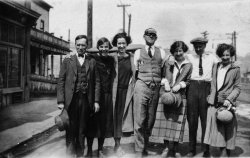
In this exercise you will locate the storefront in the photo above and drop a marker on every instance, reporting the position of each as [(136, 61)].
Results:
[(16, 21)]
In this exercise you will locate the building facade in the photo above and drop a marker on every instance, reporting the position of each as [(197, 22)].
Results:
[(27, 50), (16, 21)]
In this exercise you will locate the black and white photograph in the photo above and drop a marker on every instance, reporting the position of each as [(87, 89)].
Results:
[(124, 78)]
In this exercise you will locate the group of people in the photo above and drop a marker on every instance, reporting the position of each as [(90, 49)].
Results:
[(116, 94)]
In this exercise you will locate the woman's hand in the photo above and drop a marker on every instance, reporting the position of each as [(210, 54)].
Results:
[(167, 87), (176, 88), (227, 104)]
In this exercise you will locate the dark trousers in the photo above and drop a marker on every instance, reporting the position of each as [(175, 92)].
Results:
[(145, 106), (197, 107), (78, 117)]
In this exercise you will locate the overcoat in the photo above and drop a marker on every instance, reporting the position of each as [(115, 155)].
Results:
[(67, 79), (231, 85), (128, 123), (218, 134)]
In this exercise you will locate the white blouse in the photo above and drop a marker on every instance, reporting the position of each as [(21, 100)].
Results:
[(221, 74)]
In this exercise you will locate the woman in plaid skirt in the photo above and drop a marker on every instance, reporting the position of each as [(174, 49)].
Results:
[(177, 76)]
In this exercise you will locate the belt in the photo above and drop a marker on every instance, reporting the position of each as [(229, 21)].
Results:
[(151, 84), (200, 81)]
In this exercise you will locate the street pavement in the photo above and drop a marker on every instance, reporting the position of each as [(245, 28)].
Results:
[(21, 122)]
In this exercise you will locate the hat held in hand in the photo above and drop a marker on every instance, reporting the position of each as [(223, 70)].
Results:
[(62, 120), (171, 99), (223, 115)]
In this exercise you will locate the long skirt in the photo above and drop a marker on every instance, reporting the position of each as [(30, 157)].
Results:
[(101, 124), (218, 134), (119, 110), (170, 123)]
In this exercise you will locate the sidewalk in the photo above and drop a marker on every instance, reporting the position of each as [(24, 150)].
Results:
[(21, 122)]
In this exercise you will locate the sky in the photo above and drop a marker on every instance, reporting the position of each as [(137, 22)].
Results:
[(173, 20)]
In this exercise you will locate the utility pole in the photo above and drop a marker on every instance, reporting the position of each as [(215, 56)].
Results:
[(124, 9), (233, 38), (89, 25), (205, 33), (129, 23)]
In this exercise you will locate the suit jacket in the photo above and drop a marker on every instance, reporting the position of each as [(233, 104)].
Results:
[(67, 79), (230, 89), (184, 76), (128, 120)]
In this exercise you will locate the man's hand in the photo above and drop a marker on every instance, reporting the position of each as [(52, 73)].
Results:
[(70, 55), (176, 88), (60, 106), (96, 107), (171, 60)]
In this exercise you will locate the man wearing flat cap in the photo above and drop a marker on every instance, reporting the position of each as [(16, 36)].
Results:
[(198, 91), (148, 62)]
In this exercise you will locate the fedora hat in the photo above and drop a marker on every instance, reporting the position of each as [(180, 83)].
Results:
[(223, 115), (171, 99), (62, 120)]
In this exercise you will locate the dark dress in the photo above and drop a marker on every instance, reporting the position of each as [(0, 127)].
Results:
[(124, 75), (101, 123)]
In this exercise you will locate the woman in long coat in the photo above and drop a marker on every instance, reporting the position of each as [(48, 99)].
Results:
[(123, 88), (178, 77), (225, 88), (100, 125)]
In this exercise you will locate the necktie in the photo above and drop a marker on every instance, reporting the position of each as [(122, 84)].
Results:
[(149, 52), (200, 66), (81, 55)]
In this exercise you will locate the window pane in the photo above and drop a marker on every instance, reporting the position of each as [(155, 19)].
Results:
[(4, 31), (11, 34), (3, 67), (14, 73), (20, 35)]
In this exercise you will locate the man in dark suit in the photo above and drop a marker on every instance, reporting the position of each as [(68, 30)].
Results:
[(78, 92)]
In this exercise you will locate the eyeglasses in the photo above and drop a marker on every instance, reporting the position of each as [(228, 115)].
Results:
[(151, 34)]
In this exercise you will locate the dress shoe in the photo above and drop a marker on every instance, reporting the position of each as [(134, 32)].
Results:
[(89, 153), (206, 154), (144, 153), (191, 154), (171, 153), (100, 153)]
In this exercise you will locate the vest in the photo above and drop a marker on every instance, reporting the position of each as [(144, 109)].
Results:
[(150, 68), (81, 80)]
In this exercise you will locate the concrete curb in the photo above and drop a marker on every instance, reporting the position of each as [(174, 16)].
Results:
[(35, 134)]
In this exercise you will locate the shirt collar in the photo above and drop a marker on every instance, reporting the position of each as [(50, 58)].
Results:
[(205, 53), (184, 62), (152, 47)]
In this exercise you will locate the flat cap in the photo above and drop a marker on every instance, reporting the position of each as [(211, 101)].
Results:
[(150, 30), (199, 40)]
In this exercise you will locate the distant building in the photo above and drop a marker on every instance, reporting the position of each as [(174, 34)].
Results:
[(27, 50), (46, 52)]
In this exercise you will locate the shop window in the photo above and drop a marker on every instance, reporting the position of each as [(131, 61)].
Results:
[(10, 67), (4, 31), (3, 67), (14, 72), (20, 35), (11, 34)]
